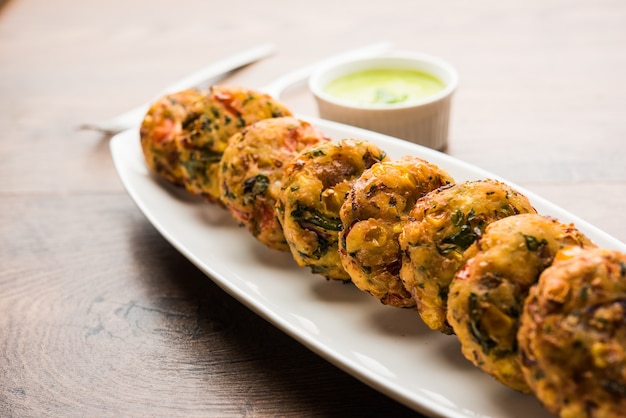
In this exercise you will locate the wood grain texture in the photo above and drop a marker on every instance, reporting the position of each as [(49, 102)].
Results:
[(100, 316), (96, 326)]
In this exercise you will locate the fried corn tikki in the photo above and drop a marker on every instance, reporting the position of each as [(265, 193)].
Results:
[(442, 226), (373, 215), (184, 134), (572, 336), (251, 171), (487, 295), (314, 188)]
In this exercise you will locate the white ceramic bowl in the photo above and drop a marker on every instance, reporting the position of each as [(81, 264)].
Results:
[(424, 121)]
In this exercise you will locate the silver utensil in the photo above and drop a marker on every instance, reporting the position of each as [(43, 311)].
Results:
[(206, 75), (276, 88)]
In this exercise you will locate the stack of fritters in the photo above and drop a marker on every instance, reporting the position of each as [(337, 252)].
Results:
[(184, 134), (314, 188), (487, 294), (532, 301), (373, 216), (251, 170)]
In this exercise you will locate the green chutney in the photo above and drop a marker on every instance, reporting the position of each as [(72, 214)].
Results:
[(384, 86)]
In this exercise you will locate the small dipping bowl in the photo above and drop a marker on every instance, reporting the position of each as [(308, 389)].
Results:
[(401, 94)]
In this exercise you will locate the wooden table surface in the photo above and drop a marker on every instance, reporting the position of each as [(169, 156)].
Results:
[(101, 316)]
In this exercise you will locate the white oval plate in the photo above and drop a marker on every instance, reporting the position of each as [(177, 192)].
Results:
[(389, 349)]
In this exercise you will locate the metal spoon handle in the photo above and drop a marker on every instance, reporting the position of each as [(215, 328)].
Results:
[(206, 75)]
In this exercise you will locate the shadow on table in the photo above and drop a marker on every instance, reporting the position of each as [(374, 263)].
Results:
[(231, 346)]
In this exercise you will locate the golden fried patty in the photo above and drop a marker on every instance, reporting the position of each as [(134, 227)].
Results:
[(162, 131), (572, 336), (373, 216), (444, 224), (251, 170), (314, 188), (486, 296), (184, 134)]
